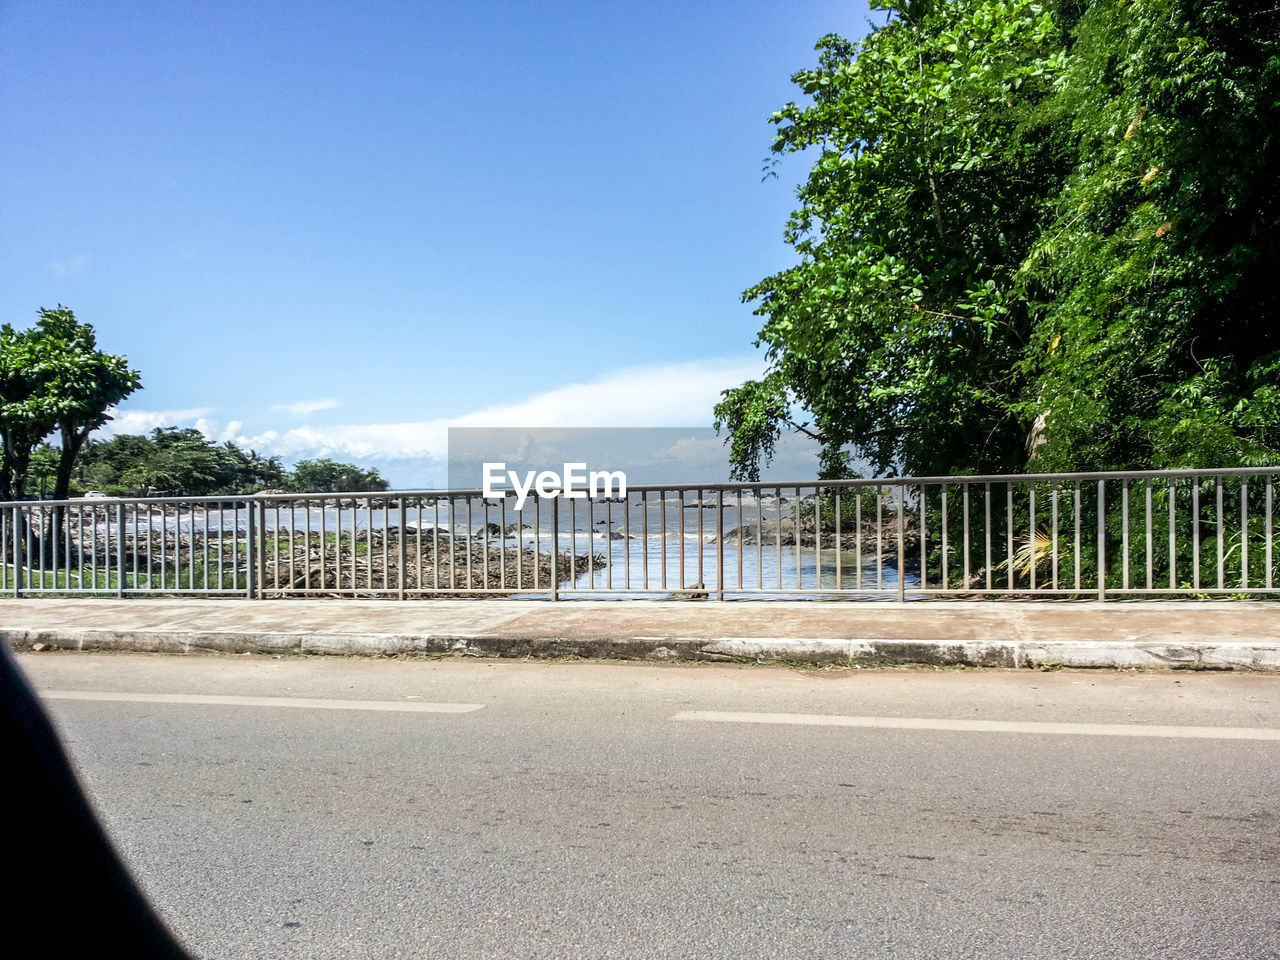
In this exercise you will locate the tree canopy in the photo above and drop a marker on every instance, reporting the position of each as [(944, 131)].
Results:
[(1033, 232), (53, 378), (174, 460)]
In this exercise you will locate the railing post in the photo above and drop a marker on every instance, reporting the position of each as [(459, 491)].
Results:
[(17, 552), (262, 550), (720, 543), (402, 554), (251, 551), (902, 548), (555, 547), (1102, 540), (119, 548)]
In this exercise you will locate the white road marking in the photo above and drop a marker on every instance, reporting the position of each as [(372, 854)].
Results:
[(986, 726), (306, 703)]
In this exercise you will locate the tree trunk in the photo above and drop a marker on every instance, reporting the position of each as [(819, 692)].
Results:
[(53, 539)]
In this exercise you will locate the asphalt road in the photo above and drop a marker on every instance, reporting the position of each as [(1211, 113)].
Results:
[(532, 810)]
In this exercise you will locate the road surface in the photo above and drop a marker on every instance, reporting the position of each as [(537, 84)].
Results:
[(330, 807)]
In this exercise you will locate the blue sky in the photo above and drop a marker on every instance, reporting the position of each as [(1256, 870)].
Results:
[(339, 228)]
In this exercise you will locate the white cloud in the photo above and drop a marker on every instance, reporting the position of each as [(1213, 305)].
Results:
[(303, 408), (71, 266), (676, 394), (414, 452), (144, 421)]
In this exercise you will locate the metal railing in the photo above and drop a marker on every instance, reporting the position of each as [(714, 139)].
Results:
[(1086, 535)]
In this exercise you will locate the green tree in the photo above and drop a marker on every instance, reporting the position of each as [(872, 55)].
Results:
[(53, 378), (1032, 231), (43, 470), (88, 384), (896, 331), (327, 476), (27, 411), (181, 461), (1157, 340)]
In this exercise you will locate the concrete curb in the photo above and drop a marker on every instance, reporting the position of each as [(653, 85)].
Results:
[(1262, 655)]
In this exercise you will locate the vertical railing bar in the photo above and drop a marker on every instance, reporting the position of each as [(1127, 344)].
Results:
[(1244, 533), (1008, 491), (683, 580), (986, 528), (1150, 543), (902, 541), (355, 545), (1269, 580), (191, 546), (759, 538), (719, 543), (435, 544), (537, 541), (555, 547), (946, 539), (1031, 535), (644, 540), (608, 543), (55, 533), (857, 536), (293, 546), (879, 537), (1195, 532), (204, 546), (1222, 580), (1124, 533), (817, 537), (484, 521), (662, 516), (1075, 506), (502, 544), (150, 546), (777, 531), (164, 537), (417, 536), (119, 552), (260, 558), (471, 532), (306, 544), (80, 549), (964, 487), (626, 541), (739, 499), (1102, 540), (273, 508), (15, 524), (402, 547), (136, 551), (386, 544), (235, 550), (1173, 535), (702, 582), (41, 548), (924, 536), (573, 544), (839, 542), (1053, 540)]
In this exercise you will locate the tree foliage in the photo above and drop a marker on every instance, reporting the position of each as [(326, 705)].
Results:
[(173, 460), (1032, 231), (53, 378)]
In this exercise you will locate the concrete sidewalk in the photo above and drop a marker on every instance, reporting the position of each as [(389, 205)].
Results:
[(1211, 634)]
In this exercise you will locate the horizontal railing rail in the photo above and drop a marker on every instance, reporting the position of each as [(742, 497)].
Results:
[(1155, 533)]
